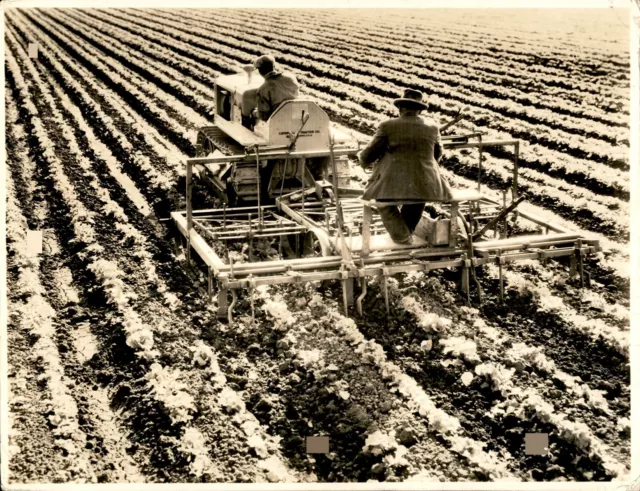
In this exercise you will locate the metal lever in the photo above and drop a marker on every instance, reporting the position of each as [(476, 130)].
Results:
[(503, 213), (305, 118), (456, 119)]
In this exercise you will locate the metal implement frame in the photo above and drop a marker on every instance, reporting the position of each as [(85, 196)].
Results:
[(243, 222), (453, 145), (303, 217), (556, 242), (406, 263)]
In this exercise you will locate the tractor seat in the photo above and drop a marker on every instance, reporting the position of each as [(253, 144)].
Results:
[(382, 242)]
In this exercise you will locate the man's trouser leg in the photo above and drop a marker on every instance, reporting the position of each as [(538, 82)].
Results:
[(394, 223), (411, 214)]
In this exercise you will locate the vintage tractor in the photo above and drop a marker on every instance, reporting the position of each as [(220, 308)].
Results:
[(254, 163)]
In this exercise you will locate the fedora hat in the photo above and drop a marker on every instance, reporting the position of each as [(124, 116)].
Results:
[(411, 99)]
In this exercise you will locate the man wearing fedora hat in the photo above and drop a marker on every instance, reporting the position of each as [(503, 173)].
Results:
[(405, 151), (277, 87)]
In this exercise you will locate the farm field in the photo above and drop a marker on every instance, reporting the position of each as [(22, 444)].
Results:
[(119, 370)]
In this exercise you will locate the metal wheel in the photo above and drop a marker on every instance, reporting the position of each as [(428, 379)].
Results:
[(311, 246)]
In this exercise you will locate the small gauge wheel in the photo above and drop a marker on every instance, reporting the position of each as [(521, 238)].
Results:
[(311, 246)]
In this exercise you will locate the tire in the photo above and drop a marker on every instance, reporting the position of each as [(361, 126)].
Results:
[(311, 246)]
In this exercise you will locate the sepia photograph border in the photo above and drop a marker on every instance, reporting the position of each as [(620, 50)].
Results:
[(634, 159)]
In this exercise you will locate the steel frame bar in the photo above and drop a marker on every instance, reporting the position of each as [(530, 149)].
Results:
[(268, 155), (336, 274), (306, 223)]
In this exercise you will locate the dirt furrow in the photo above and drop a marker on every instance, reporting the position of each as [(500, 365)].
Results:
[(358, 81), (120, 369), (596, 302), (611, 267), (126, 65), (37, 410), (126, 138), (517, 85), (567, 201)]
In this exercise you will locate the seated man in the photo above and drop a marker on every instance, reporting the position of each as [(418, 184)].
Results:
[(405, 151), (277, 87)]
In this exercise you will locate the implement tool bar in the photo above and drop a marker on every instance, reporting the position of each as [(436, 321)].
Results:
[(271, 155), (486, 143), (376, 269)]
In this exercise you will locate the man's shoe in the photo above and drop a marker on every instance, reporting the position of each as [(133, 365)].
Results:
[(407, 241)]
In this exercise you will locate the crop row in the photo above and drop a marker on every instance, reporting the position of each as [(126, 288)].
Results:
[(103, 443), (195, 97), (566, 200), (610, 268), (555, 76), (570, 170), (595, 328), (582, 95), (582, 61), (544, 177), (539, 30), (147, 115), (499, 27), (493, 347), (324, 45), (599, 301), (349, 84), (387, 83)]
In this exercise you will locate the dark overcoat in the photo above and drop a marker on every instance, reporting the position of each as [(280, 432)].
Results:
[(277, 88), (405, 166)]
